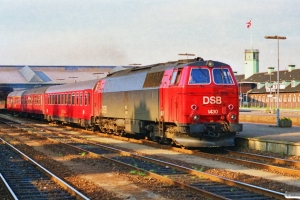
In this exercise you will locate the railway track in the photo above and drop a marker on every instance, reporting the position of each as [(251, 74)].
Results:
[(199, 182), (26, 179), (183, 177), (281, 166), (205, 184)]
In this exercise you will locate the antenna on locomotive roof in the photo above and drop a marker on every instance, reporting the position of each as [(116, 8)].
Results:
[(186, 54), (135, 64)]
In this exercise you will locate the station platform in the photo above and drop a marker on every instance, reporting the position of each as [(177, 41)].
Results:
[(261, 133)]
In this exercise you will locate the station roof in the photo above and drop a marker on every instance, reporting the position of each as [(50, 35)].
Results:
[(51, 74)]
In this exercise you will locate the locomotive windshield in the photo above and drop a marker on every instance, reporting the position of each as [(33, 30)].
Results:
[(222, 76), (199, 76)]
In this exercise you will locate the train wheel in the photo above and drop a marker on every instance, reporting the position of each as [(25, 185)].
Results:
[(152, 137), (122, 133)]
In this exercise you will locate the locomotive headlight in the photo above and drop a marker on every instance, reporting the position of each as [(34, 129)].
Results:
[(210, 63), (233, 117), (195, 117)]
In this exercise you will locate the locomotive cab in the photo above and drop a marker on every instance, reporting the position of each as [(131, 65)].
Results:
[(203, 103)]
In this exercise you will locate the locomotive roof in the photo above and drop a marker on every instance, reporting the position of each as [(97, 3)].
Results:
[(84, 85), (164, 66)]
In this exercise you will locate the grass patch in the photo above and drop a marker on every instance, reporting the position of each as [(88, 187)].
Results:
[(82, 154)]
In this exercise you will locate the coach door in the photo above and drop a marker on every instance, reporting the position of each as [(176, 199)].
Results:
[(174, 81), (174, 108), (98, 98)]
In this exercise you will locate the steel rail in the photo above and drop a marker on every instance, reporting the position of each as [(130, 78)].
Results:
[(258, 165), (11, 192), (265, 158), (151, 174), (245, 186), (54, 178)]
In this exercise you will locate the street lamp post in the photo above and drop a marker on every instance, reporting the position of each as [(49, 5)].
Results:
[(277, 38)]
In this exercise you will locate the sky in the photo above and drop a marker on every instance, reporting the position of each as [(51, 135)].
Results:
[(123, 32)]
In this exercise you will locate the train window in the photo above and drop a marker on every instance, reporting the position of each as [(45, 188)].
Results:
[(55, 99), (69, 99), (199, 76), (87, 99), (153, 79), (175, 77), (73, 98), (222, 76), (80, 98), (76, 99), (58, 99)]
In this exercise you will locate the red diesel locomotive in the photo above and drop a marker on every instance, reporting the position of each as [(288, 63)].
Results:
[(191, 103)]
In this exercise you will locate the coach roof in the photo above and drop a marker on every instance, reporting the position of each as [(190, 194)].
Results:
[(16, 93), (70, 87), (40, 90)]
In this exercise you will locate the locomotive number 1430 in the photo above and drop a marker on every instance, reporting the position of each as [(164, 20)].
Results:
[(213, 112)]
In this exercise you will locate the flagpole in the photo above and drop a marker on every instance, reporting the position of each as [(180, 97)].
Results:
[(251, 34), (249, 25)]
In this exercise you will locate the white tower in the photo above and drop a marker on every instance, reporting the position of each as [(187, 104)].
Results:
[(251, 62)]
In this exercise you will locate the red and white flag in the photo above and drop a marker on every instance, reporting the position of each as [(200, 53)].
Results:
[(249, 23)]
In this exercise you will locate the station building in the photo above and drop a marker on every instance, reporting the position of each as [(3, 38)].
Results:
[(260, 89)]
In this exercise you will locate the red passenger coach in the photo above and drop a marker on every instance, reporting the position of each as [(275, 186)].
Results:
[(13, 103), (33, 102), (72, 103)]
